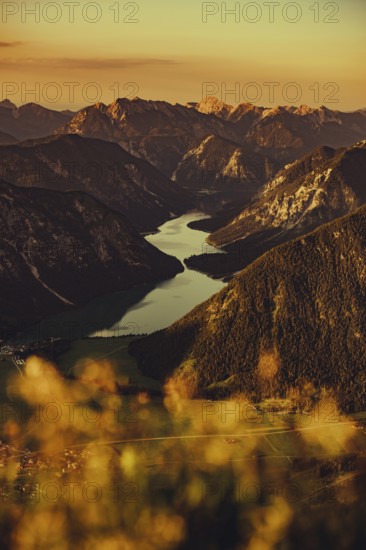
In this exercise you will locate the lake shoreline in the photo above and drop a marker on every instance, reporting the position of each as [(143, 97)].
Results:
[(143, 308)]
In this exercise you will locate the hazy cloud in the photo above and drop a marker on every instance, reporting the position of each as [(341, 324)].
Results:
[(9, 44), (80, 63)]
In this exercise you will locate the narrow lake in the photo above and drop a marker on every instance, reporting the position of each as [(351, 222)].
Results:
[(172, 299), (145, 308)]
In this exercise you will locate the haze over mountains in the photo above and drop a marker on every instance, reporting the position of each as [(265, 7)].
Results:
[(294, 319), (30, 120)]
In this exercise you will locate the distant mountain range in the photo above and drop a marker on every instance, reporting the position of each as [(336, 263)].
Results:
[(293, 321), (288, 130), (59, 250), (250, 142), (122, 182), (30, 120), (157, 131), (163, 134)]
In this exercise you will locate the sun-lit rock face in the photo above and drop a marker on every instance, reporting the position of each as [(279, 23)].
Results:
[(316, 189), (213, 106), (220, 163)]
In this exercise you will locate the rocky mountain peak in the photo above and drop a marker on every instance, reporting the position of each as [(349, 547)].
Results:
[(6, 104), (212, 106), (304, 110)]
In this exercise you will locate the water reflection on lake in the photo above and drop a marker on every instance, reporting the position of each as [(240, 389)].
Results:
[(172, 299), (144, 308)]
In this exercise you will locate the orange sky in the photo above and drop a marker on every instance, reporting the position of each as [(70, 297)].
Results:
[(171, 49)]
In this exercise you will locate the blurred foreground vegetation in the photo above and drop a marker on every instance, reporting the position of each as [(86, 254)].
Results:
[(83, 465)]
